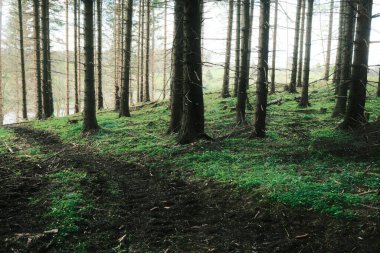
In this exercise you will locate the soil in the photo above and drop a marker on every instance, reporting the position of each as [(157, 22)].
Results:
[(140, 210)]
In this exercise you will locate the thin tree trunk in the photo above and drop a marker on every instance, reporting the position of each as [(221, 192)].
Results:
[(153, 53), (262, 78), (227, 62), (244, 69), (192, 127), (304, 102), (347, 43), (252, 7), (142, 51), (76, 91), (237, 47), (165, 47), (274, 49), (177, 70), (302, 31), (138, 54), (358, 90), (147, 53), (37, 45), (100, 53), (339, 49), (329, 41), (293, 77), (89, 112), (67, 59), (79, 57), (22, 56), (1, 67), (124, 103)]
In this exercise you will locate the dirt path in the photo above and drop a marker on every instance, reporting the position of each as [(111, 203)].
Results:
[(138, 210)]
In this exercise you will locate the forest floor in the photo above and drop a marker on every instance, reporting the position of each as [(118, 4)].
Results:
[(308, 187)]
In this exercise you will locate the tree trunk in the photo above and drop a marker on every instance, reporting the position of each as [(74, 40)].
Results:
[(124, 105), (244, 69), (117, 52), (89, 112), (304, 102), (347, 43), (142, 51), (177, 71), (302, 31), (153, 55), (274, 49), (1, 67), (76, 91), (192, 127), (262, 78), (252, 6), (237, 47), (293, 77), (46, 81), (329, 42), (67, 59), (339, 48), (147, 53), (22, 56), (138, 54), (79, 57), (37, 51), (100, 53), (165, 47), (226, 77), (358, 90), (378, 86)]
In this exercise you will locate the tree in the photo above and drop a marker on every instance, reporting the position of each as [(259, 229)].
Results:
[(1, 67), (46, 70), (226, 77), (358, 88), (293, 78), (302, 31), (67, 59), (142, 34), (37, 50), (89, 112), (177, 70), (165, 47), (304, 102), (244, 68), (262, 76), (274, 49), (329, 40), (124, 102), (237, 47), (192, 126), (336, 77), (378, 85), (22, 56), (346, 60), (76, 77), (99, 12), (147, 52)]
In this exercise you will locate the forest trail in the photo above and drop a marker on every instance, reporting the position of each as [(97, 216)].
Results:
[(135, 209)]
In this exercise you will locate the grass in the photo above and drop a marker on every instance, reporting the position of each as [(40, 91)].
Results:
[(287, 167)]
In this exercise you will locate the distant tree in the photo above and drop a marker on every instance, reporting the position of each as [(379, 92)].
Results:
[(244, 67), (99, 12), (346, 60), (67, 58), (142, 42), (302, 34), (37, 50), (147, 52), (237, 47), (329, 41), (336, 77), (293, 78), (192, 126), (274, 49), (177, 70), (76, 77), (89, 112), (304, 102), (262, 75), (124, 103), (22, 56), (358, 88), (165, 48), (227, 62)]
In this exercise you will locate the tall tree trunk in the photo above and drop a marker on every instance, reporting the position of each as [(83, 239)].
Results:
[(46, 83), (293, 78), (79, 57), (1, 67), (262, 78), (252, 7), (378, 86), (358, 90), (274, 49), (192, 127), (336, 78), (329, 41), (124, 105), (37, 50), (89, 112), (302, 31), (227, 62), (165, 47), (147, 53), (142, 51), (347, 43), (100, 53), (118, 19), (153, 55), (304, 102), (22, 56), (177, 70), (237, 47), (138, 54), (244, 69), (67, 59), (76, 91)]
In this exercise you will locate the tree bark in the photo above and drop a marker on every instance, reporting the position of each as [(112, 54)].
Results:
[(304, 102), (339, 49), (124, 106), (89, 112), (100, 53), (22, 56), (147, 53), (237, 47), (274, 49), (329, 42), (67, 59), (244, 69), (302, 31), (142, 84), (177, 70), (192, 127), (358, 89), (378, 86), (165, 47), (76, 91), (262, 78), (293, 77), (227, 62)]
